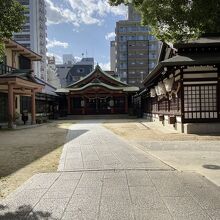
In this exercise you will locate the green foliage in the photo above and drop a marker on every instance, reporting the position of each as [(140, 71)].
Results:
[(178, 20), (2, 49), (11, 20)]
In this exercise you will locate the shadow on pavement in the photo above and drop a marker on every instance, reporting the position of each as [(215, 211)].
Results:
[(75, 134), (211, 167), (24, 213), (2, 207)]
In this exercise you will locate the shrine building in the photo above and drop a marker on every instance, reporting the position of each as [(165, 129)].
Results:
[(97, 93)]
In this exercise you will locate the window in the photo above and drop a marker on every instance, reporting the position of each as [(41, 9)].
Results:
[(200, 101), (140, 37), (132, 81), (24, 2), (132, 72), (81, 70), (27, 45), (22, 37)]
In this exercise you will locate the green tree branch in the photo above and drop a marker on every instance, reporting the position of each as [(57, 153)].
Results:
[(177, 20), (11, 20)]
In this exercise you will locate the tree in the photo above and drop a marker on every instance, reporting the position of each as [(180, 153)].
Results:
[(177, 20), (11, 20)]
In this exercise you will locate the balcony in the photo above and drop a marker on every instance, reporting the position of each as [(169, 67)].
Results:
[(4, 69)]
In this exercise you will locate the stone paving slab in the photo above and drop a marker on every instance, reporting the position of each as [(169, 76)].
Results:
[(90, 146), (112, 195), (103, 177), (201, 156)]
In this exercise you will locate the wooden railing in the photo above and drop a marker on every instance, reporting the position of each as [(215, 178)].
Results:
[(4, 69)]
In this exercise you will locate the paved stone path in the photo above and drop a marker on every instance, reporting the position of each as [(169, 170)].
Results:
[(90, 146), (103, 177)]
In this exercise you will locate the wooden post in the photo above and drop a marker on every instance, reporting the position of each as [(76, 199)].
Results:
[(113, 107), (14, 101), (33, 108), (126, 104), (112, 110), (218, 93), (68, 105), (10, 105), (84, 107)]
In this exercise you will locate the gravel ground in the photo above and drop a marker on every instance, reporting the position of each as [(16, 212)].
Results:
[(137, 130), (26, 152)]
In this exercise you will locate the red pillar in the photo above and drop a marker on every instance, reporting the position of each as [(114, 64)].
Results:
[(33, 108), (10, 105)]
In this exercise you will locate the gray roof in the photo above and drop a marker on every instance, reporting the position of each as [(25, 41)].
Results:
[(178, 60), (192, 60), (48, 89), (118, 86), (124, 89), (24, 74), (202, 41)]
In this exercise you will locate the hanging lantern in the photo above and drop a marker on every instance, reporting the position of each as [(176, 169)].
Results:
[(157, 90), (162, 88), (82, 103), (111, 103), (152, 93), (169, 84)]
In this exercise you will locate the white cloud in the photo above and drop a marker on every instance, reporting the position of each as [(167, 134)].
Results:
[(81, 11), (75, 30), (105, 66), (58, 14), (110, 36), (58, 58), (56, 43)]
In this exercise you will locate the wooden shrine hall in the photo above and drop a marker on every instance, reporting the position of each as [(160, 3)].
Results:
[(183, 91), (17, 80), (98, 93)]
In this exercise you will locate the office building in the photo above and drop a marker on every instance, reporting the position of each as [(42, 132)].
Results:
[(80, 70), (33, 34), (112, 56), (62, 71), (136, 50)]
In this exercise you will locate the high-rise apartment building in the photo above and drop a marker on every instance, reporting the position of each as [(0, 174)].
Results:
[(112, 56), (136, 50), (68, 59), (33, 34), (52, 77)]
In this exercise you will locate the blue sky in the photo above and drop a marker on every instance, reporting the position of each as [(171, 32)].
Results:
[(80, 26)]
